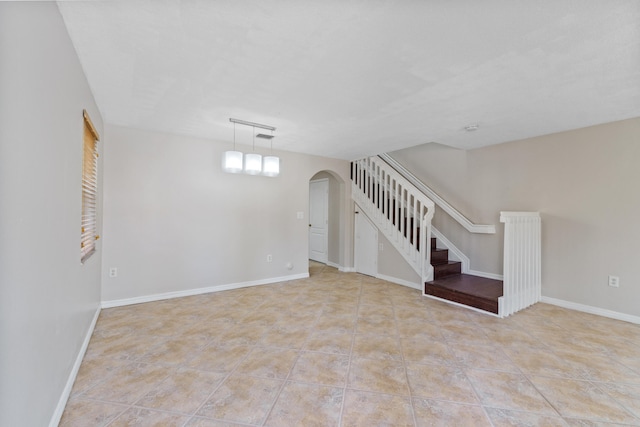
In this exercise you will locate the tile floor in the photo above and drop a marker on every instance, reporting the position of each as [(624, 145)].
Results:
[(350, 350)]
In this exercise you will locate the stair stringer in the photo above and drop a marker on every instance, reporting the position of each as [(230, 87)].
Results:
[(455, 254)]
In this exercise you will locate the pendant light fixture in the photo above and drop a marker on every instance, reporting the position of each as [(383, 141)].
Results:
[(253, 160), (271, 165), (232, 160), (254, 164)]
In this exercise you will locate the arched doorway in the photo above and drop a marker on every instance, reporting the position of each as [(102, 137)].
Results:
[(326, 204)]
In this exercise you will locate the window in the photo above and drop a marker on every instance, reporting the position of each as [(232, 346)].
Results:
[(89, 226)]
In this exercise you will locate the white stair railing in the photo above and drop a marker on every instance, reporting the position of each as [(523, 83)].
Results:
[(399, 210), (522, 261)]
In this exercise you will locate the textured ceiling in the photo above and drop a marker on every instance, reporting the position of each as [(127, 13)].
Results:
[(346, 78)]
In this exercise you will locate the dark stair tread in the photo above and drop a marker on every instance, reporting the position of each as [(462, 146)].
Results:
[(475, 291), (472, 285)]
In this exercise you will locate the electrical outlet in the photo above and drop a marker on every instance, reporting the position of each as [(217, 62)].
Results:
[(269, 258), (113, 272), (614, 281)]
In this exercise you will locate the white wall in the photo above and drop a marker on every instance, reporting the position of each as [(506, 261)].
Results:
[(47, 298), (175, 222), (584, 183)]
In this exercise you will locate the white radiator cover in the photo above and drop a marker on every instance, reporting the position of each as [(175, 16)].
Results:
[(522, 261)]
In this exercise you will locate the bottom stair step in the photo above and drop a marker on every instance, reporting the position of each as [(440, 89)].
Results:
[(474, 291)]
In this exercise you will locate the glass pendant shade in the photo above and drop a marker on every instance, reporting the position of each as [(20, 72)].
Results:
[(232, 161), (252, 163), (271, 166)]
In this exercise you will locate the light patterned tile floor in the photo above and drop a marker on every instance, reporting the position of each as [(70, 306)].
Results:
[(350, 350)]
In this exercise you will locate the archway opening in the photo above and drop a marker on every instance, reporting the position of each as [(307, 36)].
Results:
[(326, 220)]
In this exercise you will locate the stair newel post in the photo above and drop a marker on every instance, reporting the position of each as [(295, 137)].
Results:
[(425, 247)]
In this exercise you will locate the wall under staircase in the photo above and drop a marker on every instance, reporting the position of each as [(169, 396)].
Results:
[(397, 204)]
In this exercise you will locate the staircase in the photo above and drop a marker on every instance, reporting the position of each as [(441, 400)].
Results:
[(450, 284), (399, 207)]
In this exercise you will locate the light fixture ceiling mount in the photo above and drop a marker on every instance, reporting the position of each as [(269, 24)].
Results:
[(252, 124)]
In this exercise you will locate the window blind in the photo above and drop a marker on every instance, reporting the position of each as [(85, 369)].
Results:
[(89, 222)]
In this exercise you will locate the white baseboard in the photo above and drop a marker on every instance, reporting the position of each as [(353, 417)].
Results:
[(66, 392), (592, 310), (341, 268), (334, 265), (399, 281), (198, 291)]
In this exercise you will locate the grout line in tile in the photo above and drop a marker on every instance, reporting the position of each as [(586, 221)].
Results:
[(346, 381), (284, 382), (226, 377), (598, 385), (404, 366)]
